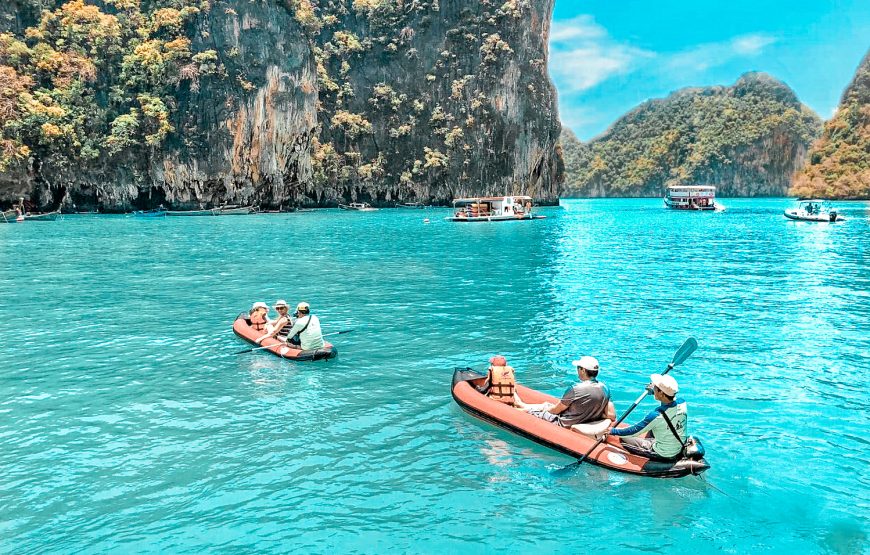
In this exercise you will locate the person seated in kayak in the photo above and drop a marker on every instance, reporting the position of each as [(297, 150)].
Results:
[(306, 329), (257, 316), (666, 424), (282, 323), (501, 383), (587, 401)]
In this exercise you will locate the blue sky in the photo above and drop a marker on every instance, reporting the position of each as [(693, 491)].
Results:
[(607, 56)]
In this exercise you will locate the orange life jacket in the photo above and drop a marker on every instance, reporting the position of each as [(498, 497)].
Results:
[(502, 384), (258, 322)]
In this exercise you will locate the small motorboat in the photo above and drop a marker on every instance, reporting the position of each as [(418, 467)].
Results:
[(235, 210), (242, 327), (358, 207), (9, 216), (574, 441), (412, 205), (155, 213), (493, 209), (202, 212), (813, 210), (45, 217)]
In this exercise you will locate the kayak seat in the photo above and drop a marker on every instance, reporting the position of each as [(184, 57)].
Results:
[(594, 429)]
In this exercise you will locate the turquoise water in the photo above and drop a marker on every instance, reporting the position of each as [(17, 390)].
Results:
[(127, 424)]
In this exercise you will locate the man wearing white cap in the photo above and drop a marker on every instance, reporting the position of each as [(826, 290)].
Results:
[(586, 401), (667, 424), (307, 327)]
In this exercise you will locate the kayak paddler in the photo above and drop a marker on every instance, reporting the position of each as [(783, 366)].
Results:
[(587, 401), (666, 424), (307, 327)]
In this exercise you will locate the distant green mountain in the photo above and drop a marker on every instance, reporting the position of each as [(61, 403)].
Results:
[(747, 139), (839, 162)]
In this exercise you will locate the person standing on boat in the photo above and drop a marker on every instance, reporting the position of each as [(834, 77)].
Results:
[(282, 323), (586, 401), (666, 424), (307, 327)]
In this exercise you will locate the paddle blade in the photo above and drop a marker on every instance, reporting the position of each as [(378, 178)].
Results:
[(685, 351)]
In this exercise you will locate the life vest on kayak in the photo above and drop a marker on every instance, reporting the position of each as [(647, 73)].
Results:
[(502, 384), (258, 322)]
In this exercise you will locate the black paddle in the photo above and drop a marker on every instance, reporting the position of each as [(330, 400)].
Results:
[(680, 356), (252, 349)]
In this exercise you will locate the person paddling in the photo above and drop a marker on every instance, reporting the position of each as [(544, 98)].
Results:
[(282, 323), (586, 401), (307, 327), (667, 424)]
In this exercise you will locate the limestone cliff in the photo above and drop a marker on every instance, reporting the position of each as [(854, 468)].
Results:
[(839, 162), (747, 139), (118, 104)]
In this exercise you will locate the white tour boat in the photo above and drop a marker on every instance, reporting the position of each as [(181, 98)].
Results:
[(358, 206), (493, 209), (691, 197)]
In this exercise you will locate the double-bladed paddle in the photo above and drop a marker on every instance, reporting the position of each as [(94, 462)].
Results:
[(680, 356), (252, 349)]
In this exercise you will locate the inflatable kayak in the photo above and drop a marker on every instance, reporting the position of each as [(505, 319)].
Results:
[(242, 328), (565, 440)]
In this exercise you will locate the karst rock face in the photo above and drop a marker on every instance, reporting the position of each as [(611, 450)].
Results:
[(747, 140), (839, 162), (119, 104)]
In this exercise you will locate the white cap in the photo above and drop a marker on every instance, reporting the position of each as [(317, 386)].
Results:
[(303, 306), (280, 303), (587, 363), (666, 383), (259, 305)]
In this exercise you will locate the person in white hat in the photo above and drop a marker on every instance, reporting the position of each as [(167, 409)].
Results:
[(587, 401), (274, 328), (666, 425), (307, 327)]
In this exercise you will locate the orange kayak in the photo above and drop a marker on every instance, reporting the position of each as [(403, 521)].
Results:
[(609, 454), (242, 328)]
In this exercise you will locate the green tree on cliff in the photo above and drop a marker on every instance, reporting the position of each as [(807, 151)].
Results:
[(839, 163)]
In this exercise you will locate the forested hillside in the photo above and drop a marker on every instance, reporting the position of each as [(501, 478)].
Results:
[(747, 139), (121, 103), (839, 162)]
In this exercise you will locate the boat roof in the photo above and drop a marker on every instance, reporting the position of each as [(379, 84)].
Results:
[(477, 199), (692, 187), (812, 200)]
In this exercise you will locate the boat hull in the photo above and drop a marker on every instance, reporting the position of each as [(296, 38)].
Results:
[(47, 217), (212, 212), (609, 454), (9, 216), (243, 329), (676, 206), (512, 218), (149, 214), (803, 217)]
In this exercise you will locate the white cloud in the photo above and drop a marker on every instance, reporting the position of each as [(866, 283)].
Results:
[(582, 54), (704, 56)]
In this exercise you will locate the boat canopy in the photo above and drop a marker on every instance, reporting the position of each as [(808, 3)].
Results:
[(813, 201), (476, 200), (694, 187)]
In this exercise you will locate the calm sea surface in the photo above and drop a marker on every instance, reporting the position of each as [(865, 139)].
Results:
[(128, 424)]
